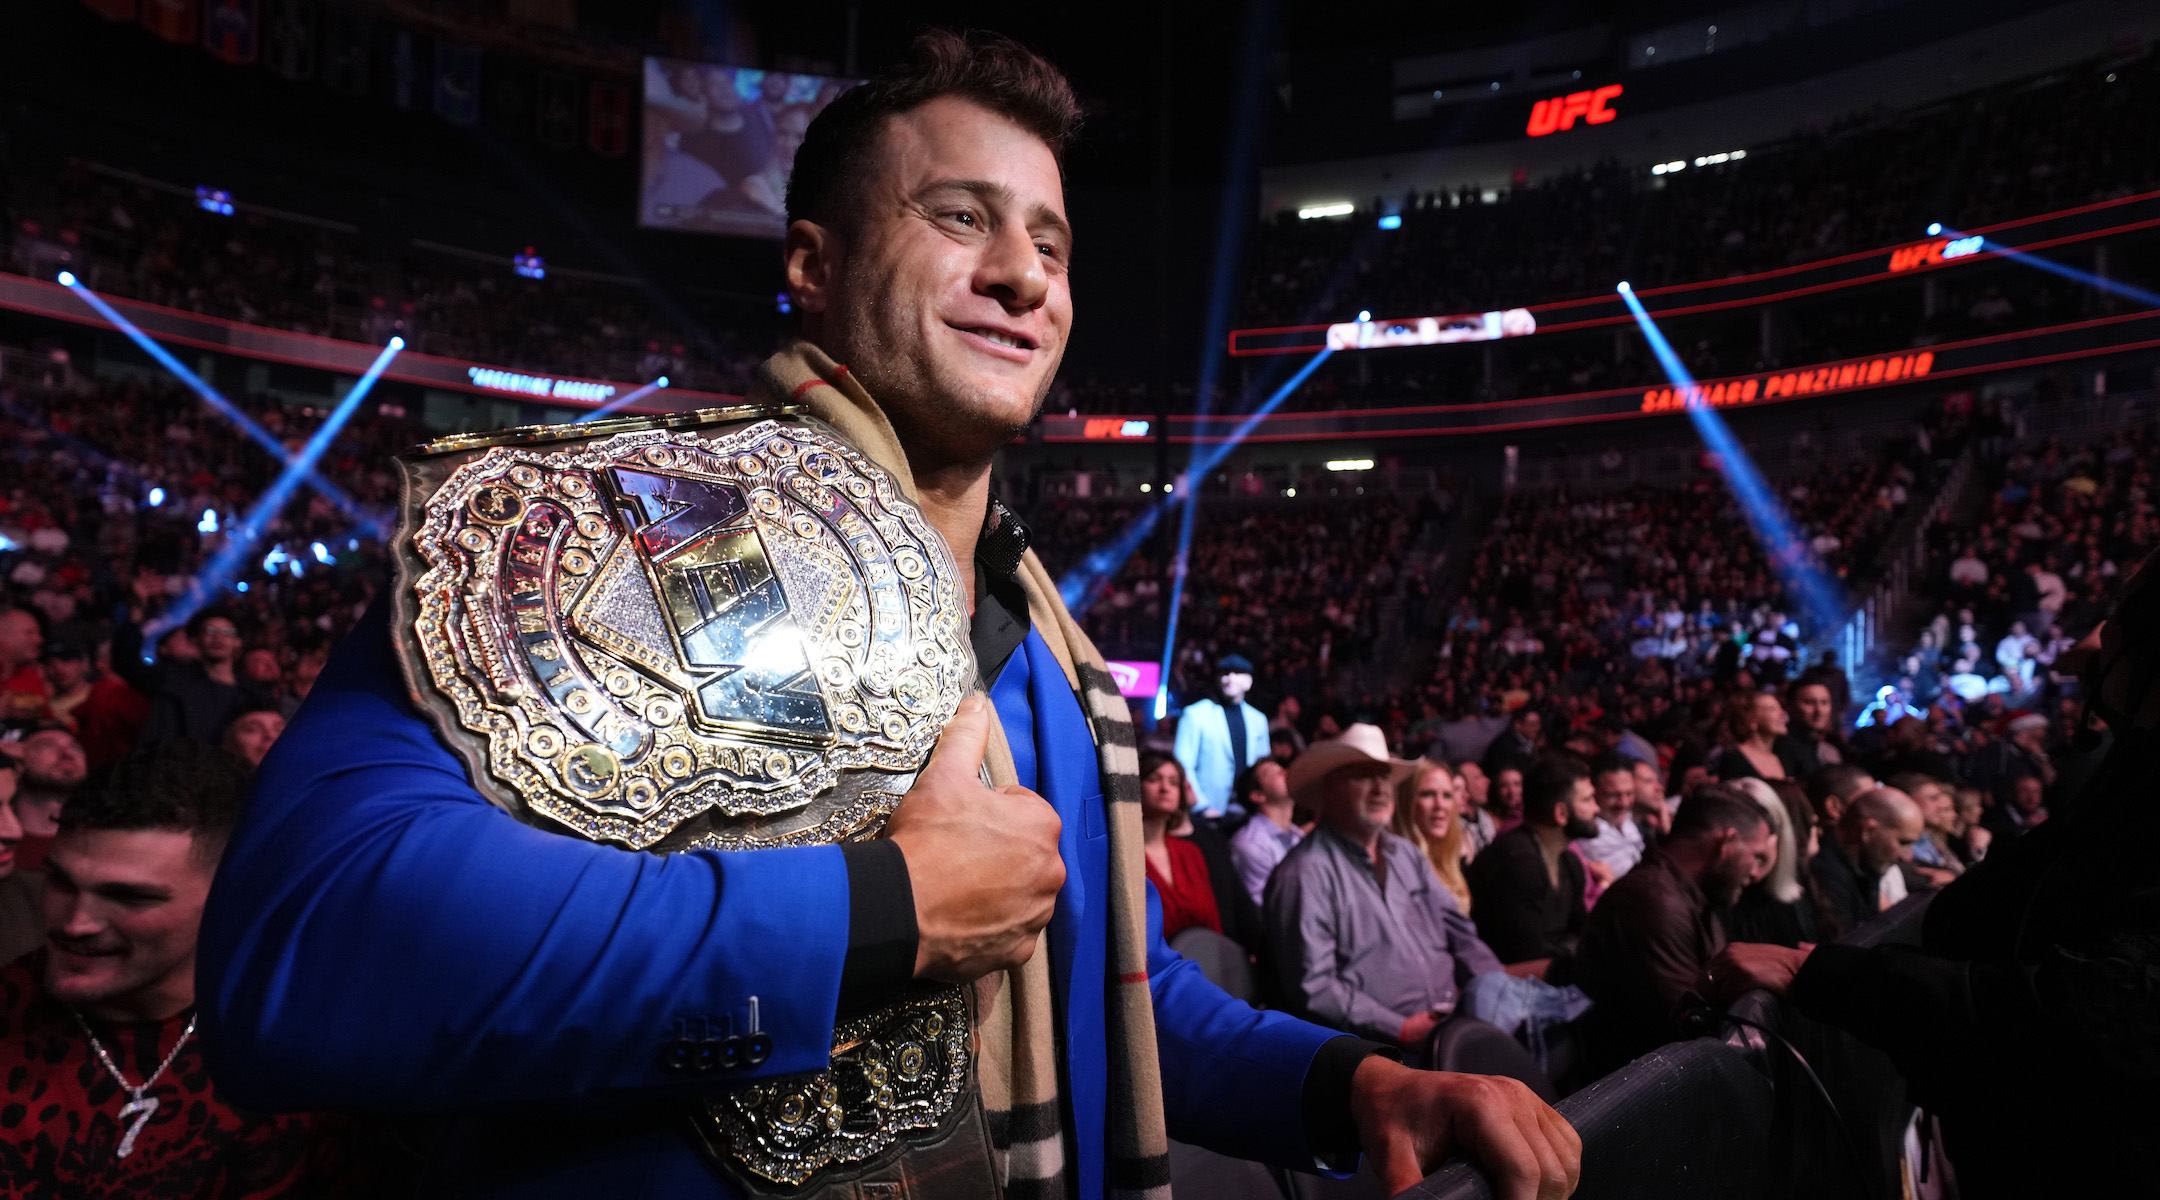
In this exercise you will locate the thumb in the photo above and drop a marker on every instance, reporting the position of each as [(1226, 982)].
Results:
[(959, 751)]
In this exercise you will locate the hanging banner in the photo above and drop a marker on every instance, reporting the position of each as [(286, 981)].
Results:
[(230, 29), (607, 125), (557, 115), (457, 83), (113, 10), (289, 39), (174, 20)]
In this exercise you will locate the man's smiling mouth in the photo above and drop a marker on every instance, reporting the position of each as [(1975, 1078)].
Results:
[(997, 336)]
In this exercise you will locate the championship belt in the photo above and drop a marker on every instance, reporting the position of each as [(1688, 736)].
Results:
[(724, 629)]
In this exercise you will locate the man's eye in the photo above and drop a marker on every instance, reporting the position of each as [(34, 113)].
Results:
[(964, 218)]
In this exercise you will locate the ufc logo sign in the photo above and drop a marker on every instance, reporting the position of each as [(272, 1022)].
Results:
[(1561, 112)]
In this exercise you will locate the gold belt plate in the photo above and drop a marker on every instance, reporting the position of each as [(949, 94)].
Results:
[(736, 637)]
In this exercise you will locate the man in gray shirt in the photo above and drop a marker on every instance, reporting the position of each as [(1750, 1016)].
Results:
[(1264, 790), (1365, 936)]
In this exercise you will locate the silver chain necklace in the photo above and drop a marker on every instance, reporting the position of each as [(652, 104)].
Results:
[(139, 1106)]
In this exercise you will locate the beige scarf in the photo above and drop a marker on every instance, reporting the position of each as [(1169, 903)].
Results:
[(1017, 1065)]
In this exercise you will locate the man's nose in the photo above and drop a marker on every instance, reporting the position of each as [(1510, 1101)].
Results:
[(1012, 270), (81, 922)]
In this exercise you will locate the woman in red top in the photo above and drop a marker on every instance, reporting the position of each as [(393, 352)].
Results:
[(1174, 864)]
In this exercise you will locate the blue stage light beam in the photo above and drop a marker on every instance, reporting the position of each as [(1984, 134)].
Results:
[(623, 401), (2115, 286), (1819, 600), (1230, 225), (1080, 585), (240, 538), (333, 493), (1202, 463)]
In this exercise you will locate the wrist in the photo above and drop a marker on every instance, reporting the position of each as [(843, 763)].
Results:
[(1374, 1077)]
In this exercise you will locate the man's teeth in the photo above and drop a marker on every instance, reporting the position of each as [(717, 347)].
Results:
[(1002, 339)]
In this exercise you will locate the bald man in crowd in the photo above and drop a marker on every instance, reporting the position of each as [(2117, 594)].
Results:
[(1874, 835)]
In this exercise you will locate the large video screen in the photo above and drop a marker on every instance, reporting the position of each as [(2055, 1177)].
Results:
[(719, 143)]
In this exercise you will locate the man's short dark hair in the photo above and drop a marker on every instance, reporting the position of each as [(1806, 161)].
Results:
[(204, 616), (1843, 780), (1813, 677), (1550, 780), (1248, 784), (182, 786), (1713, 807), (1610, 763), (987, 68)]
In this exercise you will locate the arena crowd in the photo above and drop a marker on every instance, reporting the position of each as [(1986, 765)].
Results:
[(1627, 752)]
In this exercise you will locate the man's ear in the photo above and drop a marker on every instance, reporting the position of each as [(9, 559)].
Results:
[(811, 254)]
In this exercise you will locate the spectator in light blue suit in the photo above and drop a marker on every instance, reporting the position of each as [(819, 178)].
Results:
[(1217, 740)]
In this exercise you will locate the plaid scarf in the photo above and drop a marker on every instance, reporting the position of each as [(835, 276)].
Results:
[(1017, 1028)]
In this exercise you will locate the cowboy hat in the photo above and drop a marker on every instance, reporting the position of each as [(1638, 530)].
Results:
[(1359, 744)]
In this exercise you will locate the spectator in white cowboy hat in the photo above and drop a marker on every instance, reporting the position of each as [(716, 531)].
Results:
[(1366, 938)]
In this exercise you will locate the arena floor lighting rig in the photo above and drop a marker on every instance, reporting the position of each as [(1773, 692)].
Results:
[(1782, 544), (1081, 584), (241, 537), (373, 523), (2102, 282)]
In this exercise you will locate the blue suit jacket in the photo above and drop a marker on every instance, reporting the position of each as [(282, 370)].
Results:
[(380, 937), (1203, 746)]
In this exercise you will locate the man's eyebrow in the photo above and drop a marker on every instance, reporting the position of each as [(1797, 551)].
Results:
[(133, 891), (1043, 214)]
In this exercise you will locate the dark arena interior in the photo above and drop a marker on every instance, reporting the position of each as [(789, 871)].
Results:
[(1266, 601)]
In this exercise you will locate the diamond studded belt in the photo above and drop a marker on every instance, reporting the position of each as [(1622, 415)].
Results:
[(723, 629)]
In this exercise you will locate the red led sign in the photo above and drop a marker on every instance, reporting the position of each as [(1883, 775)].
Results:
[(1101, 428), (1561, 112), (1777, 385), (1933, 251)]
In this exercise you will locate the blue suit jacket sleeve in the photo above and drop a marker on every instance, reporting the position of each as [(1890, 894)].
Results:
[(1233, 1075), (380, 936)]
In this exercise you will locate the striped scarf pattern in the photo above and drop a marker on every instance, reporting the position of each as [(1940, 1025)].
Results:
[(1017, 1031)]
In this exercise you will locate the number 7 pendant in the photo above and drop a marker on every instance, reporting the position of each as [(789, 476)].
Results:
[(140, 1109)]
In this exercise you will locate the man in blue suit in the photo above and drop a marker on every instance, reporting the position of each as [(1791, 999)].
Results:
[(382, 938), (1217, 740)]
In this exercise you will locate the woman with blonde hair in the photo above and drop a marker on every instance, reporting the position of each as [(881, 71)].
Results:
[(1428, 803), (1778, 908)]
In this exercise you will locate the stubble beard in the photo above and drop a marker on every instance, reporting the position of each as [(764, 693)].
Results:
[(942, 422)]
